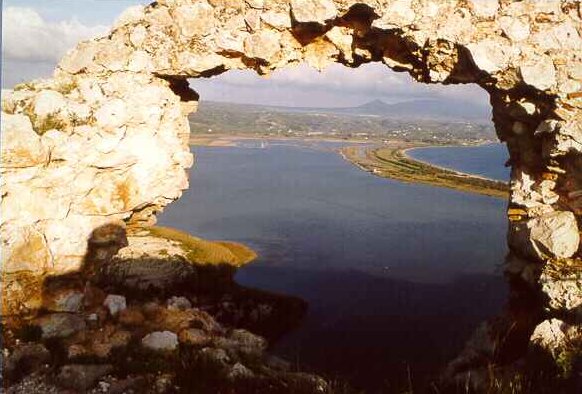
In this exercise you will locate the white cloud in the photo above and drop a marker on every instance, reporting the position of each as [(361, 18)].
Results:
[(335, 86), (28, 37)]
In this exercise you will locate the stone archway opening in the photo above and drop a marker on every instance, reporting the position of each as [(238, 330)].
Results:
[(106, 138)]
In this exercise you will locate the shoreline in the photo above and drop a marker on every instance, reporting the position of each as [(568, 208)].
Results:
[(406, 150), (394, 163), (387, 160)]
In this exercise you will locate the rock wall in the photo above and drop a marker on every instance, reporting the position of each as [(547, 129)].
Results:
[(106, 139)]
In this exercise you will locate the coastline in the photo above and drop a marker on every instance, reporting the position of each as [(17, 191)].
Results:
[(394, 163), (387, 160), (409, 157)]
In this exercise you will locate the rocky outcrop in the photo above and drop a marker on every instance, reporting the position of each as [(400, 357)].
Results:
[(105, 140), (113, 334)]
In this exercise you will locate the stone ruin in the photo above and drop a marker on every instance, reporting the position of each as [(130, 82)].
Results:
[(105, 140)]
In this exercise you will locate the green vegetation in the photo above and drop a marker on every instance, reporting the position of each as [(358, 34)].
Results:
[(203, 252), (393, 163), (49, 122), (214, 118), (67, 87), (24, 86)]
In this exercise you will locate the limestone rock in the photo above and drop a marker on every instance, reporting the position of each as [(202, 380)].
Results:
[(21, 146), (149, 262), (485, 8), (160, 341), (115, 304), (561, 285), (398, 13), (541, 73), (560, 340), (316, 11), (551, 235), (48, 102), (195, 19), (263, 45), (491, 55)]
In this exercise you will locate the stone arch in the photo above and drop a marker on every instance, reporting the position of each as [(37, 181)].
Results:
[(107, 137)]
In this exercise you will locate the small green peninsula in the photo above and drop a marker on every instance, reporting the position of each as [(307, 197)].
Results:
[(393, 162)]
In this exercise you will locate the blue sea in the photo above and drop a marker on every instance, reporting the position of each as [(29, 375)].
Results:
[(397, 276)]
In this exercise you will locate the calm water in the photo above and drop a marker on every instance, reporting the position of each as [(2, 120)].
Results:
[(486, 160), (396, 275)]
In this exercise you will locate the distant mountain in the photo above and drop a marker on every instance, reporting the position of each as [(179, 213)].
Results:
[(426, 109)]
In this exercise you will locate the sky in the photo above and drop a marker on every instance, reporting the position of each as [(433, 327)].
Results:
[(37, 33)]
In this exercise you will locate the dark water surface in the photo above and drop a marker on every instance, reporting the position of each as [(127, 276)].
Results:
[(396, 275), (486, 160)]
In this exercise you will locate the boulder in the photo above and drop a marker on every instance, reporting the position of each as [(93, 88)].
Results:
[(313, 11), (115, 304), (540, 74), (20, 146), (551, 235), (160, 341)]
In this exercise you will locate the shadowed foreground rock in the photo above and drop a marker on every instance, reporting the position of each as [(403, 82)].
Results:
[(118, 335)]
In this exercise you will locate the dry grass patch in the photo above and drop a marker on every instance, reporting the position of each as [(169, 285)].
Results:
[(200, 251)]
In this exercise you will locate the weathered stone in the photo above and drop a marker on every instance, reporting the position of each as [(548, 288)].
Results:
[(79, 59), (60, 325), (21, 146), (316, 11), (491, 55), (541, 73), (514, 28), (561, 286), (559, 340), (398, 13), (551, 235), (24, 250), (112, 115), (195, 19), (160, 341), (48, 102), (263, 45), (115, 304), (485, 8), (149, 262)]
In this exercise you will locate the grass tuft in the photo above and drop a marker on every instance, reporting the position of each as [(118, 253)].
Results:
[(200, 251)]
